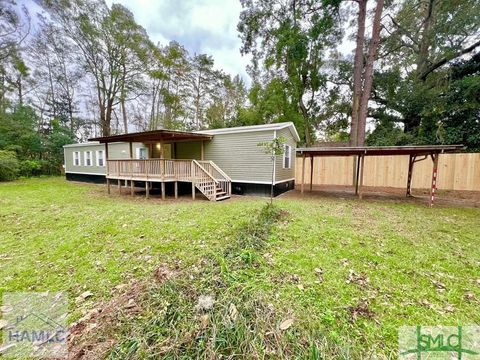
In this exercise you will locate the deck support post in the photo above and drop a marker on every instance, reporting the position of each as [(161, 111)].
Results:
[(119, 186), (130, 149), (193, 191), (360, 176), (434, 178), (147, 189), (131, 187), (302, 185), (411, 162), (176, 189), (163, 190), (108, 185), (311, 172)]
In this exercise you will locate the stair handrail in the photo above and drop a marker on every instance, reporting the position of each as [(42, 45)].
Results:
[(205, 171), (216, 167)]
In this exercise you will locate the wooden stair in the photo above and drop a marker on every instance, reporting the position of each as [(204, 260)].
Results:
[(211, 180)]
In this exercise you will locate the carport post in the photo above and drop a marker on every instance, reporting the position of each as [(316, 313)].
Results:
[(176, 189), (147, 190), (163, 190), (303, 174), (434, 178), (411, 162), (357, 173), (311, 173), (360, 176)]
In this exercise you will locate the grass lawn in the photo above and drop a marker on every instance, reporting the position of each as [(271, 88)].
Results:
[(329, 278)]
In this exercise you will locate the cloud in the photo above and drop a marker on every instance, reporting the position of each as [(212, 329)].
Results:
[(201, 26)]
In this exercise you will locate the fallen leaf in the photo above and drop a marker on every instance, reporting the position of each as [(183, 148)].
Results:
[(300, 287), (3, 323), (344, 262), (318, 271), (232, 312), (131, 304), (286, 324), (85, 295), (426, 303), (120, 286), (204, 321), (470, 296), (450, 308)]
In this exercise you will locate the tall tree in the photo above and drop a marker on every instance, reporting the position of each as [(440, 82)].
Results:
[(291, 39), (105, 38), (363, 71)]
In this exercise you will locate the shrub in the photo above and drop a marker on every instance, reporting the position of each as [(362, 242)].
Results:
[(30, 167), (9, 167)]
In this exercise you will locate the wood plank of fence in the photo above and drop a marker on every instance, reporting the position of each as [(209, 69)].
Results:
[(455, 171)]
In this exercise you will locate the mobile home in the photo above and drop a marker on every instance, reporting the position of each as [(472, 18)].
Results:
[(216, 162)]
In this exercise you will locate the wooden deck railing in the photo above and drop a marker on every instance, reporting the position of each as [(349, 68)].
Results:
[(204, 175), (161, 169)]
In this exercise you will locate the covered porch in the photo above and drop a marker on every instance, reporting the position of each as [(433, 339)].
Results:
[(159, 165)]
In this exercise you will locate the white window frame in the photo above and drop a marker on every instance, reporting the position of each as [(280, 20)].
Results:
[(89, 157), (97, 156), (287, 149), (77, 159), (138, 151)]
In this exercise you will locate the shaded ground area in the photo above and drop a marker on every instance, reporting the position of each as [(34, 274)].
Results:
[(419, 196), (334, 278)]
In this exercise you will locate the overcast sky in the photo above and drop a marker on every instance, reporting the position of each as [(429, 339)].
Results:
[(202, 26)]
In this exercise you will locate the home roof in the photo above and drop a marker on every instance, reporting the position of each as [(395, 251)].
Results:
[(90, 143), (264, 127), (155, 135), (379, 150)]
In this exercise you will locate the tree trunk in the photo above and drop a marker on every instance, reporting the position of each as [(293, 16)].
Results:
[(425, 38), (368, 75), (358, 71), (303, 108), (124, 115), (108, 118)]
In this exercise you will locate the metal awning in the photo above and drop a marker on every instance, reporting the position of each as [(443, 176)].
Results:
[(417, 150), (154, 136), (416, 153)]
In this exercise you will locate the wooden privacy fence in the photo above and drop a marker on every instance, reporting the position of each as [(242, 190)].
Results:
[(455, 171)]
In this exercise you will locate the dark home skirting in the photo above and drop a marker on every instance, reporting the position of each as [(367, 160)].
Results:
[(97, 179), (262, 189), (186, 188)]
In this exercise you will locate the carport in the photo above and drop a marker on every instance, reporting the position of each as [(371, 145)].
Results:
[(416, 153)]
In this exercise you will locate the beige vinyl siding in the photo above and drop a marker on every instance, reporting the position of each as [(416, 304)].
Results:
[(239, 155), (188, 150), (121, 150), (94, 169), (115, 151), (280, 172)]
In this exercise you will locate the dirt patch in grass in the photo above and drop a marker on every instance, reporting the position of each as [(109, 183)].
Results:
[(91, 336), (211, 309), (420, 196)]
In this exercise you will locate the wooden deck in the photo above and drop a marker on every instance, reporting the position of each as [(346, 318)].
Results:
[(205, 176)]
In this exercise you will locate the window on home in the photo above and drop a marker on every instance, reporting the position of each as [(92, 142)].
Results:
[(100, 161), (88, 158), (141, 153), (287, 157), (76, 158)]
